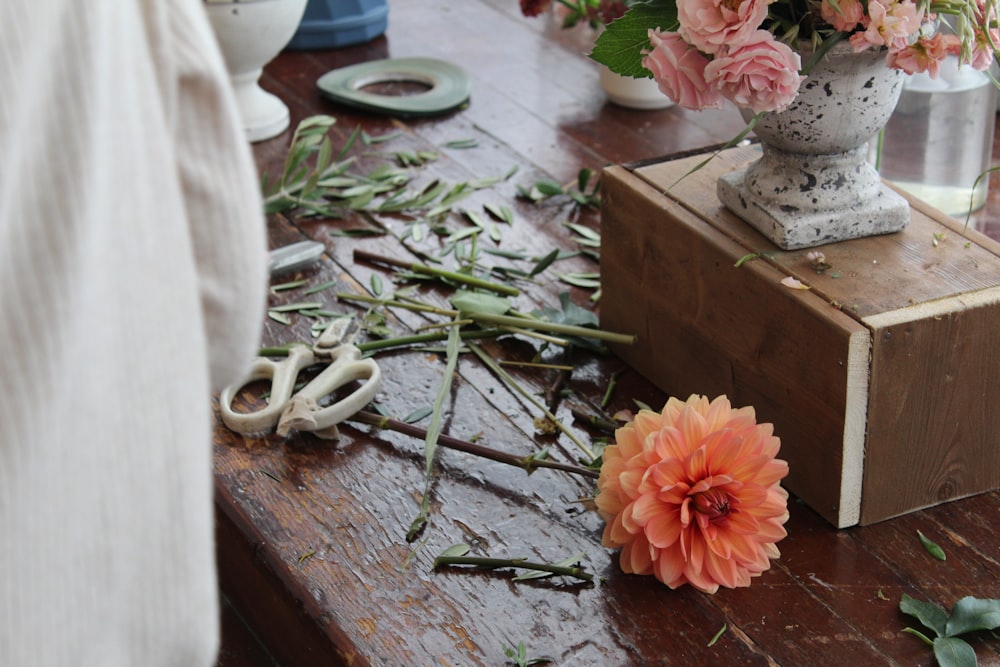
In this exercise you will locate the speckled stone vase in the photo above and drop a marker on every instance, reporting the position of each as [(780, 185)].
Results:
[(813, 184)]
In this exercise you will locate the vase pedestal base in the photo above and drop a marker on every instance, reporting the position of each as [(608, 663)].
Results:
[(801, 201), (880, 379)]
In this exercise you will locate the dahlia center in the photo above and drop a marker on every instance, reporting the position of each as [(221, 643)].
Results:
[(715, 504)]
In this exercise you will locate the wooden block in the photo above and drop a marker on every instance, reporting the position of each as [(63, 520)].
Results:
[(882, 380)]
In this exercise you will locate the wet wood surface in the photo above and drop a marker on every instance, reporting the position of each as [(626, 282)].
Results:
[(312, 533)]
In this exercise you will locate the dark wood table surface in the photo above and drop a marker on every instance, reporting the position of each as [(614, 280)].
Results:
[(312, 533)]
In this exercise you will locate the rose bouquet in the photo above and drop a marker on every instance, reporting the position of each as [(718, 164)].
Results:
[(704, 52)]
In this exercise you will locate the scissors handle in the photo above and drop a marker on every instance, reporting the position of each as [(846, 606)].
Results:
[(282, 374), (304, 413)]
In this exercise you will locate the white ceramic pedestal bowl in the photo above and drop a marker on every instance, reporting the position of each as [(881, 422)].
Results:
[(632, 93), (251, 33)]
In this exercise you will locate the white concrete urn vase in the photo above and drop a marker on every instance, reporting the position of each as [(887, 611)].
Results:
[(251, 33), (813, 184)]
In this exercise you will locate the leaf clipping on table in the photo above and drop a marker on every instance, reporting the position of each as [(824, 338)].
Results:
[(931, 547), (973, 614), (954, 652), (931, 615)]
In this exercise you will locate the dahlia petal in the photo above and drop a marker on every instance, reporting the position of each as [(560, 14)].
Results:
[(647, 507), (771, 473), (637, 557), (630, 482), (718, 413), (609, 502), (669, 568), (628, 442), (692, 427), (751, 496), (645, 422), (615, 534), (670, 444), (718, 545), (696, 465), (743, 523), (668, 472), (723, 570), (664, 529)]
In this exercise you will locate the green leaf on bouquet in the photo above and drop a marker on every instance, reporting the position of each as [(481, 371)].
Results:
[(621, 45)]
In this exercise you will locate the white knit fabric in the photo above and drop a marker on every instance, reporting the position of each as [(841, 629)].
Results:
[(132, 284)]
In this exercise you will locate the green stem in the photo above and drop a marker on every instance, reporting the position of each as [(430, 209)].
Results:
[(552, 327), (927, 640), (494, 563), (452, 276), (511, 382), (392, 303)]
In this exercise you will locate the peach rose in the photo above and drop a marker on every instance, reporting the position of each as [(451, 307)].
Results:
[(761, 74), (711, 24), (692, 495), (679, 70)]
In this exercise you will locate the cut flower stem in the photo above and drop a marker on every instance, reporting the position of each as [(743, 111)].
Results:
[(493, 563), (452, 276), (527, 463)]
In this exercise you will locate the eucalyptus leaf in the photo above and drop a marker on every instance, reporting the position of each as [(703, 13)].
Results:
[(456, 550), (549, 188), (585, 232), (418, 414), (954, 652), (544, 262), (972, 614), (931, 615), (376, 283), (480, 302)]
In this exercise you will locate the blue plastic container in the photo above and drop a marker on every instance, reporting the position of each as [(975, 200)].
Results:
[(331, 23)]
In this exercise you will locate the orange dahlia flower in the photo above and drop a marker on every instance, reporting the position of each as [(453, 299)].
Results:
[(692, 495)]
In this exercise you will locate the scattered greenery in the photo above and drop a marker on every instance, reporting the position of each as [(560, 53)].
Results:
[(969, 614), (585, 192), (519, 656)]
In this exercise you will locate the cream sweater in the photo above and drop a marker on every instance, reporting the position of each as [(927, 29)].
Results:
[(132, 284)]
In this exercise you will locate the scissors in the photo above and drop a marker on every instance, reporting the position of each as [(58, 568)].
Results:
[(302, 411)]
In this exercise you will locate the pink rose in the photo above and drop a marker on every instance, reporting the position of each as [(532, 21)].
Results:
[(762, 74), (679, 70), (843, 15), (711, 24)]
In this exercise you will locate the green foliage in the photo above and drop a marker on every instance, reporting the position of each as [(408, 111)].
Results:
[(621, 46), (969, 614)]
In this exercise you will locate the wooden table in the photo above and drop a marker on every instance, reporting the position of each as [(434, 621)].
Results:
[(312, 541)]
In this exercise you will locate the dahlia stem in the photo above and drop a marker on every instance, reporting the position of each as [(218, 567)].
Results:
[(575, 572), (526, 463)]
